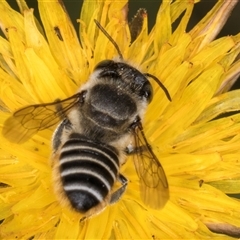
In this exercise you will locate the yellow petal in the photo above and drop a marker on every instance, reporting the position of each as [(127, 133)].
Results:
[(208, 28), (68, 52)]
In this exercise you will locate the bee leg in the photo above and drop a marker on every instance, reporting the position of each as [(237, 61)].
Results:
[(130, 150), (118, 193), (114, 197)]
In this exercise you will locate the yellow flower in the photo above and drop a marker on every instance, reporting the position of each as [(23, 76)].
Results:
[(199, 152)]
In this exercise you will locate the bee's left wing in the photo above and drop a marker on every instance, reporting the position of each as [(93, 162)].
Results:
[(153, 182), (27, 121)]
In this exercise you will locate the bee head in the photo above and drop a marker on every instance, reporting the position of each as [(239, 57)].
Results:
[(136, 80), (126, 76)]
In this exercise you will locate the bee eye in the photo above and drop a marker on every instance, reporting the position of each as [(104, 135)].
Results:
[(107, 68), (104, 64), (147, 91)]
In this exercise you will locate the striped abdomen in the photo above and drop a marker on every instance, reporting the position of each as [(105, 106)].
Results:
[(88, 171)]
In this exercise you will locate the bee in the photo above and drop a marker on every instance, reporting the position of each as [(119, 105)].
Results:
[(99, 125)]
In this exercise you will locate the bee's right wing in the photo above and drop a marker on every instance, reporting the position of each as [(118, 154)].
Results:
[(27, 121), (153, 181)]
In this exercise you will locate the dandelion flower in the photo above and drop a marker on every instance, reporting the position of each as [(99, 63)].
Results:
[(199, 152)]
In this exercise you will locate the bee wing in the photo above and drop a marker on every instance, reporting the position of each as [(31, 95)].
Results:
[(153, 181), (27, 121)]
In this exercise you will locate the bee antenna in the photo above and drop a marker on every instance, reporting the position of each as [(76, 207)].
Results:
[(160, 84), (109, 38)]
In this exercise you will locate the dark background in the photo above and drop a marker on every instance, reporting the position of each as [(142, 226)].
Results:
[(232, 26)]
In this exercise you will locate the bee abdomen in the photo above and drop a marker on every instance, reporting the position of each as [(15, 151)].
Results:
[(88, 171)]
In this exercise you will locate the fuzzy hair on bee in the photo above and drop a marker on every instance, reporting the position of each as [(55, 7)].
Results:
[(100, 125)]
